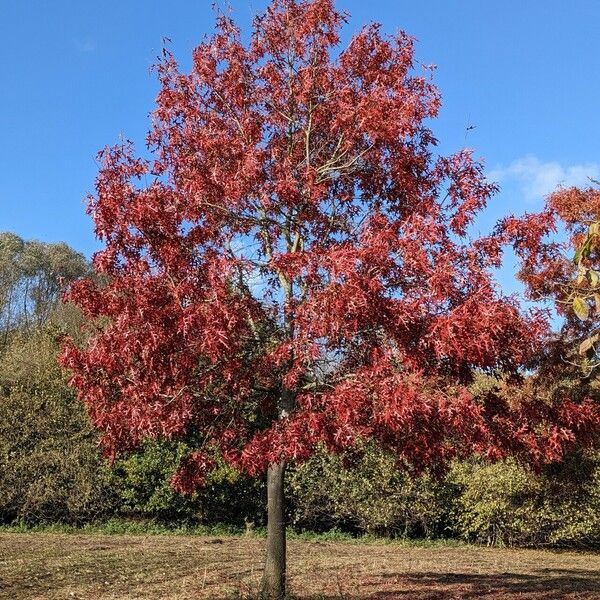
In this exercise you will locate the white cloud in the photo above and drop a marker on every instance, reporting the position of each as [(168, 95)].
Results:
[(536, 178)]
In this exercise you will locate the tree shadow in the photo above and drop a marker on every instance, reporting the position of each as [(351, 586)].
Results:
[(542, 584)]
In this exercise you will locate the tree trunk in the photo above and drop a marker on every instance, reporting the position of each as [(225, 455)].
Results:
[(273, 583)]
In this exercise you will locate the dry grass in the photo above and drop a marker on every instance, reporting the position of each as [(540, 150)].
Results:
[(102, 567)]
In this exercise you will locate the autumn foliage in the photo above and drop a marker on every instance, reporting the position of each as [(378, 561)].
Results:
[(293, 265), (560, 263)]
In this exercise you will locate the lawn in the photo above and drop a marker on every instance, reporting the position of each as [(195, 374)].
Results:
[(102, 567)]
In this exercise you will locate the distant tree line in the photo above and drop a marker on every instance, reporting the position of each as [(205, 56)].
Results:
[(52, 470)]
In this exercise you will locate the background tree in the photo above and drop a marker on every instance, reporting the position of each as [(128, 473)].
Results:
[(580, 211), (32, 276), (292, 268)]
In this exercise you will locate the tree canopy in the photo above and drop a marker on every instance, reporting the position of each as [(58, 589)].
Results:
[(33, 275)]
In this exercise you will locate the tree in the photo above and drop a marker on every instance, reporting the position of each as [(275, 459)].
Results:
[(565, 268), (292, 267), (31, 277)]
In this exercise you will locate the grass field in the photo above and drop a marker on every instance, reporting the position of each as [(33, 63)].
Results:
[(102, 567)]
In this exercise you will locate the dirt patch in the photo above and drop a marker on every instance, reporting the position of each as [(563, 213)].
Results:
[(104, 567)]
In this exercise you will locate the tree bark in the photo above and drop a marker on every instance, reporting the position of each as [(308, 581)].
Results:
[(273, 583)]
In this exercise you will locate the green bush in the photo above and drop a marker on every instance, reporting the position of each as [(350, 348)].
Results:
[(507, 504), (144, 483), (498, 504), (228, 496), (49, 460), (372, 496), (572, 500)]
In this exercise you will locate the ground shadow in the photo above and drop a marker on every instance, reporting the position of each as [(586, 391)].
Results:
[(543, 584)]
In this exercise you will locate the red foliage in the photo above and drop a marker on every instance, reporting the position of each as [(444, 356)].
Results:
[(550, 268), (292, 267)]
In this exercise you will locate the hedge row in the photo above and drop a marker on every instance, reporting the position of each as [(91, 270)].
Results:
[(52, 472)]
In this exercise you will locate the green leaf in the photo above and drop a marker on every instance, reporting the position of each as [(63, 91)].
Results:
[(581, 308), (593, 278)]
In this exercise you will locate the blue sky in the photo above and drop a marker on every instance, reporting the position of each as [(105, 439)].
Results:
[(74, 76)]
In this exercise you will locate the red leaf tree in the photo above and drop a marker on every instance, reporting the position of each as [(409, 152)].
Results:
[(559, 249), (292, 268)]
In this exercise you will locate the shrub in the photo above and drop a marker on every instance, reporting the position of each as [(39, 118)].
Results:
[(51, 468), (372, 495), (228, 496), (507, 504), (572, 500), (498, 504)]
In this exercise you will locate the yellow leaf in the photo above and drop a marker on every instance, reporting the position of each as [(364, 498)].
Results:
[(581, 308)]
